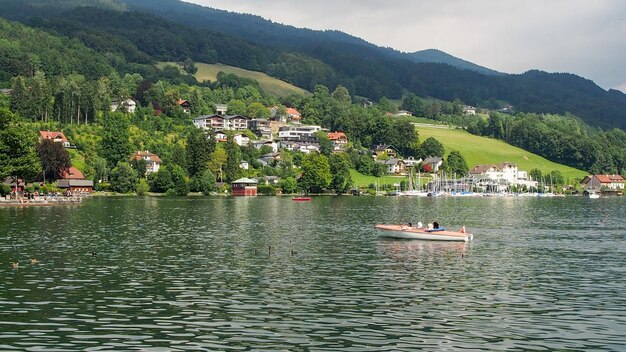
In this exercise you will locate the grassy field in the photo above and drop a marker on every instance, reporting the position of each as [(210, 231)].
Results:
[(270, 85), (481, 150), (361, 180)]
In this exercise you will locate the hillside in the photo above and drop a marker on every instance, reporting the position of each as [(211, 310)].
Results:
[(438, 56), (171, 30), (271, 85), (481, 150)]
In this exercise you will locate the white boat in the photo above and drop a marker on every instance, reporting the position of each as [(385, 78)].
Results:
[(594, 195), (420, 233)]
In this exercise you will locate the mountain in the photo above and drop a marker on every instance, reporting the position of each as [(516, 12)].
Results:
[(144, 32), (438, 56)]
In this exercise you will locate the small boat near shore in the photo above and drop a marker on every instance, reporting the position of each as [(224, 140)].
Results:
[(301, 199), (420, 233)]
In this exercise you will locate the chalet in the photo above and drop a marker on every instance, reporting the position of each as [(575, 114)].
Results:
[(613, 182), (434, 163), (127, 105), (388, 150), (469, 110), (153, 162), (58, 137), (184, 104), (244, 187), (74, 182), (411, 161), (241, 140), (339, 140), (394, 166), (293, 115)]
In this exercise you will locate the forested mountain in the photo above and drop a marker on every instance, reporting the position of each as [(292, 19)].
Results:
[(306, 58), (440, 57)]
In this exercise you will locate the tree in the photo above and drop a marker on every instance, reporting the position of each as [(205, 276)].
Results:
[(18, 156), (161, 180), (204, 183), (456, 164), (198, 152), (216, 164), (54, 158), (431, 147), (140, 166), (289, 185), (316, 174), (326, 146), (340, 169), (142, 187), (257, 110), (535, 174), (115, 144), (179, 181), (233, 159), (123, 178), (236, 107)]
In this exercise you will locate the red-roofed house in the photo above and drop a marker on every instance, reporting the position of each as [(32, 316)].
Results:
[(55, 137), (294, 115), (73, 181), (609, 181), (184, 104), (153, 162), (339, 140)]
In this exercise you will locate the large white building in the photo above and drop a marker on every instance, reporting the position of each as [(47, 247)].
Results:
[(503, 175), (222, 123), (298, 133)]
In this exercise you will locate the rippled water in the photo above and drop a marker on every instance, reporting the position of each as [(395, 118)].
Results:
[(270, 274)]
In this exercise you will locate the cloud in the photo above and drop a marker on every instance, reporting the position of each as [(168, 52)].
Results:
[(576, 36)]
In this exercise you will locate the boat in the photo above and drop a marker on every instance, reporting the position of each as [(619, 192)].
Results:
[(594, 195), (421, 233), (301, 199)]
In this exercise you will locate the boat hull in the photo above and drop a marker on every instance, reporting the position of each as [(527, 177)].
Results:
[(301, 199), (412, 233)]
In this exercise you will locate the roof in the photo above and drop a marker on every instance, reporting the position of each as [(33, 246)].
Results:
[(433, 160), (336, 135), (53, 135), (140, 155), (246, 180), (609, 178), (72, 174), (75, 183), (182, 101), (292, 111), (480, 169)]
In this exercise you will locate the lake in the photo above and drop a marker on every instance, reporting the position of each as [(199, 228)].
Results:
[(267, 273)]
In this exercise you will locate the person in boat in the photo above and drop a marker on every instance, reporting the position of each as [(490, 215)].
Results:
[(435, 225), (410, 224)]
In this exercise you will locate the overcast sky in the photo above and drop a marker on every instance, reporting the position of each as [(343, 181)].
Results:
[(584, 37)]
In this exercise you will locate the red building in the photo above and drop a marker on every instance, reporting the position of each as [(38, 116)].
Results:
[(244, 187)]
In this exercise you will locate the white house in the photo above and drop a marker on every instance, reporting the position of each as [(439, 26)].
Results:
[(153, 162), (394, 166), (241, 140), (127, 105), (504, 174), (469, 110), (298, 133), (435, 163)]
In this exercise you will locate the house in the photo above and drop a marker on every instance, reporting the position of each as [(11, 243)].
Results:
[(15, 186), (502, 175), (404, 113), (58, 137), (293, 115), (221, 122), (299, 133), (261, 128), (339, 140), (244, 187), (220, 137), (153, 162), (127, 105), (244, 165), (241, 140), (394, 166), (268, 180), (261, 144), (73, 181), (412, 162), (614, 182), (385, 149), (304, 146), (469, 110), (184, 104), (221, 109), (434, 162)]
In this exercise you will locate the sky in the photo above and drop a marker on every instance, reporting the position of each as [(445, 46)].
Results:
[(584, 37)]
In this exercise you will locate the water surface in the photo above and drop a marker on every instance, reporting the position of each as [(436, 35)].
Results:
[(270, 274)]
